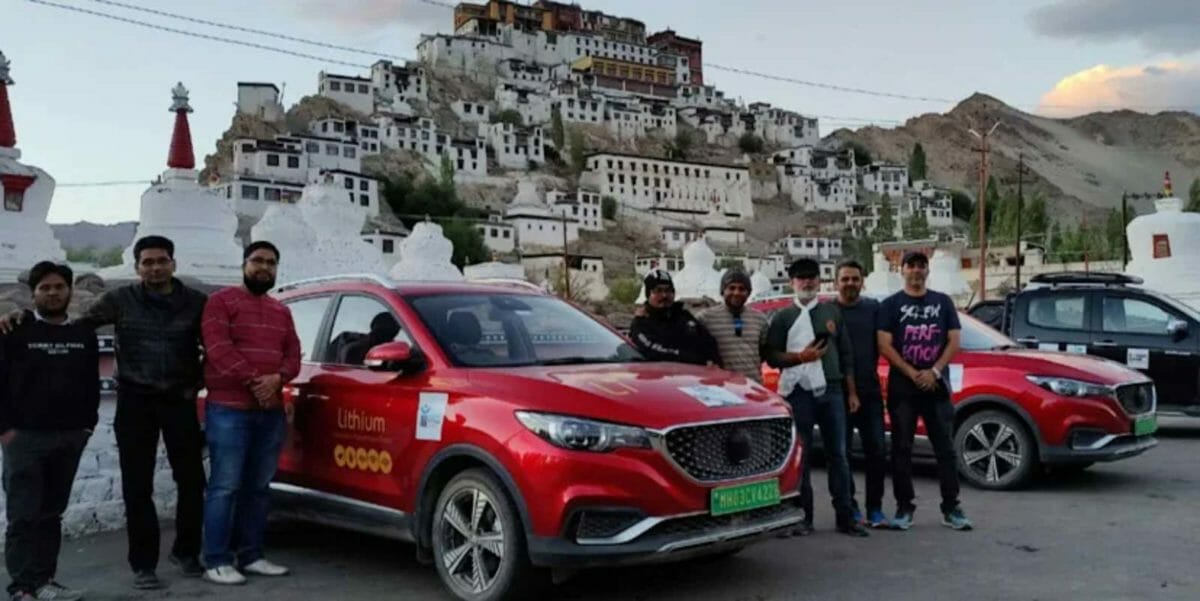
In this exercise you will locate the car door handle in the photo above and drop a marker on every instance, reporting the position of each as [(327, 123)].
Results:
[(316, 397), (1104, 343), (1028, 340)]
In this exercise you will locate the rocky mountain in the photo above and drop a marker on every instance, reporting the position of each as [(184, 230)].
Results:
[(84, 234), (1082, 164)]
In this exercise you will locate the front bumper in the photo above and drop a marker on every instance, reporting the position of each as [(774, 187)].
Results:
[(1113, 447), (666, 539)]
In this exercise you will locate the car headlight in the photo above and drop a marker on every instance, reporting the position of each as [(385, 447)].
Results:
[(579, 434), (1070, 387)]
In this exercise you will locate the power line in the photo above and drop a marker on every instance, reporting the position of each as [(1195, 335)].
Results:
[(197, 34), (171, 15), (826, 86), (132, 182)]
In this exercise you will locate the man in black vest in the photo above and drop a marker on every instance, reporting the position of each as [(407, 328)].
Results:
[(49, 397)]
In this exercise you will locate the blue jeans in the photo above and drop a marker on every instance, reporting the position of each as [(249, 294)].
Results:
[(827, 411), (869, 423), (243, 449)]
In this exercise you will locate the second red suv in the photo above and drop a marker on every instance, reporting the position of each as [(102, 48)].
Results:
[(503, 430), (1017, 409)]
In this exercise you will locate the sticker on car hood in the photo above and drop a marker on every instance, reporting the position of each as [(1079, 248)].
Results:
[(713, 396)]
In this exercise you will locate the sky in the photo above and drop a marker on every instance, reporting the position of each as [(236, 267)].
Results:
[(91, 96)]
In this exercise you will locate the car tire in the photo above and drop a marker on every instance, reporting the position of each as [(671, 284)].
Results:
[(478, 540), (995, 451)]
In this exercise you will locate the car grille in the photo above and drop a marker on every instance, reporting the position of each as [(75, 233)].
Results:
[(603, 524), (1136, 399), (708, 523), (731, 450)]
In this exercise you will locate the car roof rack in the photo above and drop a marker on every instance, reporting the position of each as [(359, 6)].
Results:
[(345, 277), (1082, 277)]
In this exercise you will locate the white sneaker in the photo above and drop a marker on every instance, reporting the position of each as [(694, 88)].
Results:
[(263, 567), (224, 575)]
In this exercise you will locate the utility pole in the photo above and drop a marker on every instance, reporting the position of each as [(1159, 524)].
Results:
[(566, 260), (1020, 207), (983, 149)]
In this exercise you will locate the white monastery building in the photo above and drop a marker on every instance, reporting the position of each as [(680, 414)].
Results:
[(647, 185)]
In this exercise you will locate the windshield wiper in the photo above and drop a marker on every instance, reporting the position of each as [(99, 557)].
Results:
[(1009, 347), (577, 360)]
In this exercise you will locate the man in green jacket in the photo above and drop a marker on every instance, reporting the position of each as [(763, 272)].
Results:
[(809, 342)]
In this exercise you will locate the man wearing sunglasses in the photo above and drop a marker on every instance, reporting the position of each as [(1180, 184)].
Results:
[(740, 330)]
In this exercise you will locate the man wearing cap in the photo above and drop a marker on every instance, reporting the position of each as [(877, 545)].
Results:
[(918, 333), (809, 342), (739, 330), (663, 330)]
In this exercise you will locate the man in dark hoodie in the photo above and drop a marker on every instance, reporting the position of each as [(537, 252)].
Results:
[(49, 396), (663, 330), (158, 376)]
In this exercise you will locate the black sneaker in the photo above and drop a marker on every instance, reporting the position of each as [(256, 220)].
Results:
[(853, 529), (146, 580), (190, 566)]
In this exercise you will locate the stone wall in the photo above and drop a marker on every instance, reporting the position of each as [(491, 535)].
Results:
[(96, 503)]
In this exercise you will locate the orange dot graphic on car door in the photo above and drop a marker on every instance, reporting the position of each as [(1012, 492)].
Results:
[(373, 460), (360, 457), (339, 456), (385, 462)]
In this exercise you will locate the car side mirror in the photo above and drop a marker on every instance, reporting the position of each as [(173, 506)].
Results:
[(394, 356), (1177, 328)]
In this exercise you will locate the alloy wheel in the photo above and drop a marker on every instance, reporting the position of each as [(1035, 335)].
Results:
[(472, 534), (992, 451)]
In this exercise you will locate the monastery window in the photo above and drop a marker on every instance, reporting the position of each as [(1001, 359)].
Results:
[(389, 247), (272, 160), (331, 150), (14, 200), (349, 152), (364, 200), (507, 234), (348, 183), (335, 86), (248, 193), (271, 194)]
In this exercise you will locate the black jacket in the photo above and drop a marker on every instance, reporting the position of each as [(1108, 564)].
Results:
[(673, 334), (157, 337), (49, 376)]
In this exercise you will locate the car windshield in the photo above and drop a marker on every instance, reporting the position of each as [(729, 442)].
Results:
[(1178, 305), (978, 336), (495, 329)]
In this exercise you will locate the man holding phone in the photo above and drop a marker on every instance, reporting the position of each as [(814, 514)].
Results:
[(809, 342)]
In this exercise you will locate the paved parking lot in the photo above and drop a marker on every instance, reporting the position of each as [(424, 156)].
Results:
[(1129, 530)]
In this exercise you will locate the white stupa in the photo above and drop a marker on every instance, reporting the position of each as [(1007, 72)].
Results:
[(698, 279), (882, 281), (493, 270), (760, 286), (945, 273), (25, 237), (1164, 248), (284, 226), (338, 226), (198, 220), (425, 256)]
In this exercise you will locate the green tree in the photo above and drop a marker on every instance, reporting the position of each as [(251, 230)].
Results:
[(510, 116), (885, 230), (110, 257), (1114, 234), (862, 156), (86, 254), (608, 207), (1193, 203), (558, 133), (859, 249), (916, 164), (579, 150), (1055, 242), (468, 242), (624, 290), (1034, 221), (680, 146), (751, 144), (916, 227), (446, 174), (961, 205)]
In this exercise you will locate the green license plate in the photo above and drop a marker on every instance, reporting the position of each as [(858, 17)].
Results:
[(1145, 425), (733, 499)]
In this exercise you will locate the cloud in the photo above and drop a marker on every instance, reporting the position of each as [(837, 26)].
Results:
[(1159, 26), (1145, 88), (365, 15)]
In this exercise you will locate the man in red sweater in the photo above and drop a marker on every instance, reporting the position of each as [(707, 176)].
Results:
[(251, 352)]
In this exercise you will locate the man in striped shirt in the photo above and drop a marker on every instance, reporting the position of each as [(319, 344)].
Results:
[(252, 351), (740, 330)]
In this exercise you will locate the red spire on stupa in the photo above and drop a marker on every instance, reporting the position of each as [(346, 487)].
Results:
[(181, 156), (8, 133)]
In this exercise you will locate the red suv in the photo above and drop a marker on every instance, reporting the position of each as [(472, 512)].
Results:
[(1017, 409), (503, 430)]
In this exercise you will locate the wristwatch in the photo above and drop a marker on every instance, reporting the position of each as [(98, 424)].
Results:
[(937, 372)]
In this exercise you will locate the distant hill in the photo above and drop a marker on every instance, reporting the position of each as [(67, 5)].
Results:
[(84, 234), (1081, 164)]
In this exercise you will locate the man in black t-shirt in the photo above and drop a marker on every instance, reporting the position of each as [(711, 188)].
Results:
[(919, 334), (49, 398)]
